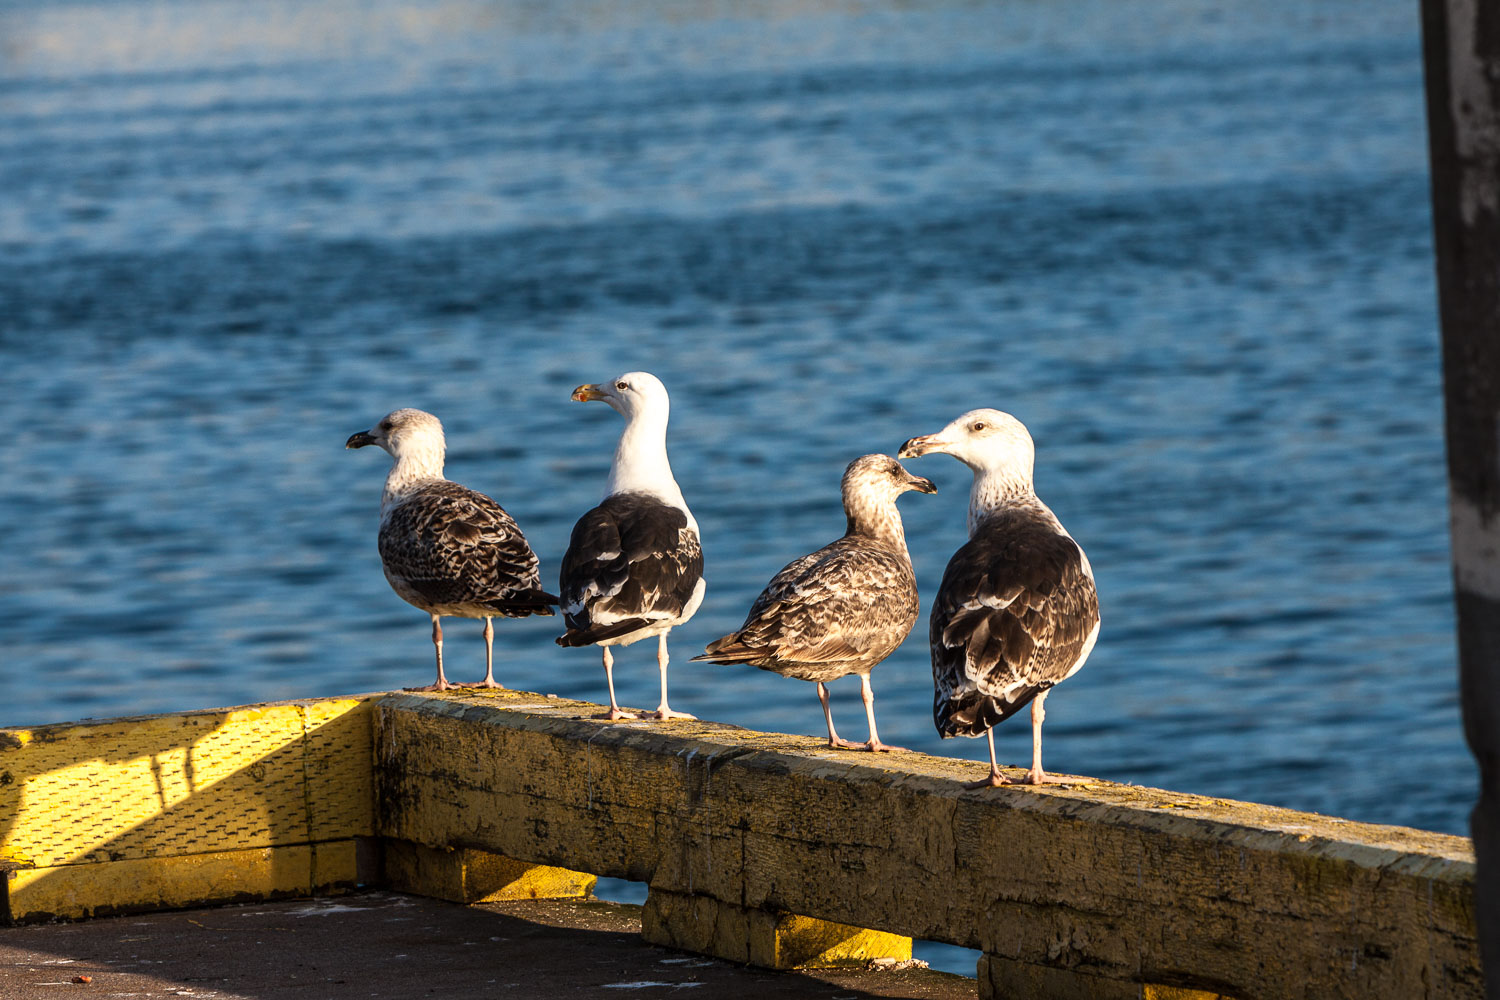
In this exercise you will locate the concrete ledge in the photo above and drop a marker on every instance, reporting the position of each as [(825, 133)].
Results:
[(757, 847), (144, 885), (1113, 887)]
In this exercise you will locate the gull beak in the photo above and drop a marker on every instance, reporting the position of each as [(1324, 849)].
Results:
[(586, 392), (359, 440), (921, 485), (919, 446)]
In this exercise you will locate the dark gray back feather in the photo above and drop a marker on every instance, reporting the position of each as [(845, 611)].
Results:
[(630, 557), (1013, 615)]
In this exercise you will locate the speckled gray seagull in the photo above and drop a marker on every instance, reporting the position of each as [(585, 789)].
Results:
[(445, 548), (634, 566), (844, 608), (1017, 612)]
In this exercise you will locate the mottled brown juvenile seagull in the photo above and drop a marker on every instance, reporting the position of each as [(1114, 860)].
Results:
[(844, 608), (1017, 611), (445, 548)]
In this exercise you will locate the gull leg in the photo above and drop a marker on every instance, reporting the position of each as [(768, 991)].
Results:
[(609, 677), (441, 684), (489, 658), (1036, 776), (834, 743), (867, 695), (995, 779), (664, 711)]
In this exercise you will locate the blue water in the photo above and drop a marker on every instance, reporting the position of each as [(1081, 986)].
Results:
[(1186, 242)]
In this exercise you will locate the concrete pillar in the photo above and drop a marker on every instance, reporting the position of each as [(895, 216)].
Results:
[(1461, 47), (761, 937), (466, 875)]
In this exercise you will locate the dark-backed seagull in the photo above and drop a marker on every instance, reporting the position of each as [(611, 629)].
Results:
[(445, 548), (1017, 611), (634, 566)]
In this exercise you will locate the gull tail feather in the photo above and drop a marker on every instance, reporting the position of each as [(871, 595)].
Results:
[(729, 649), (598, 633), (520, 603)]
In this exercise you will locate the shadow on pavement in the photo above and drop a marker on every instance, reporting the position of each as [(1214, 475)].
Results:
[(389, 945)]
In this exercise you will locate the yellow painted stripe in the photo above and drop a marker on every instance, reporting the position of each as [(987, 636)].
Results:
[(1153, 992), (462, 875), (806, 943)]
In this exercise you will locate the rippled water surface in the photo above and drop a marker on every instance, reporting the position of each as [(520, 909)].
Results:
[(1186, 242)]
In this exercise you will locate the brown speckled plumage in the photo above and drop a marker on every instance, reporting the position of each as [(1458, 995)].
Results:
[(838, 611), (450, 550), (844, 608), (445, 548)]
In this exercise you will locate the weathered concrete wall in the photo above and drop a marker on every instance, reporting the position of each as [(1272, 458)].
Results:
[(760, 847), (1115, 884)]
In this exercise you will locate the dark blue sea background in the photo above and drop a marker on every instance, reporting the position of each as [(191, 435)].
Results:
[(1186, 242)]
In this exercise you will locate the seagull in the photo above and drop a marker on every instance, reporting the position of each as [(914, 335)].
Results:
[(634, 566), (844, 608), (445, 548), (1017, 612)]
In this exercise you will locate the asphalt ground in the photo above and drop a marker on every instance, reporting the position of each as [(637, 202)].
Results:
[(389, 945)]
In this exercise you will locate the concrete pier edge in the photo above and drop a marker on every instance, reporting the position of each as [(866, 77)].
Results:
[(757, 847)]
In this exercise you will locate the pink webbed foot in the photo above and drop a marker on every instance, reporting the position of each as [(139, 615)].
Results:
[(840, 743), (1033, 777), (663, 713), (875, 746), (995, 780), (490, 683), (615, 715)]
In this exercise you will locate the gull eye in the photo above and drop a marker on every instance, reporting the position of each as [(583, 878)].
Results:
[(622, 386), (979, 425)]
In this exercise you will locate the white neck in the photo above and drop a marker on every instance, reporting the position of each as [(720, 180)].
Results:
[(413, 468), (641, 465), (994, 489)]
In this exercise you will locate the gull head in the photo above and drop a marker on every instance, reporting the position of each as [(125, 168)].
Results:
[(403, 432), (631, 394), (880, 478), (987, 441)]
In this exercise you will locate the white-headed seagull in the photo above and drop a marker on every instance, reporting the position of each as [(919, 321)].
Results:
[(1017, 612), (445, 548), (634, 566)]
